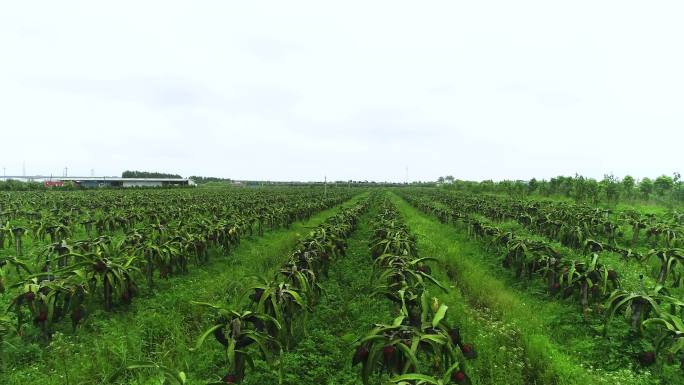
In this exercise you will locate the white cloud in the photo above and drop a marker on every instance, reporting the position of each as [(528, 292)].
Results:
[(357, 90)]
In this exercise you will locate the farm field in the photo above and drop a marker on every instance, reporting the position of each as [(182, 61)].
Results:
[(313, 285), (356, 193)]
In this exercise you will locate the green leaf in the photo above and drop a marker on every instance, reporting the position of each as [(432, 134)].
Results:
[(408, 354), (204, 335), (439, 316), (399, 320), (415, 377), (181, 377)]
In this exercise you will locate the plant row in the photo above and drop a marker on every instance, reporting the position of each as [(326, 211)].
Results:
[(274, 317), (58, 216), (69, 279), (650, 312), (419, 346), (628, 233)]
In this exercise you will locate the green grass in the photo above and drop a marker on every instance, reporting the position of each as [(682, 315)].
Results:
[(543, 327), (160, 327), (345, 312), (348, 311)]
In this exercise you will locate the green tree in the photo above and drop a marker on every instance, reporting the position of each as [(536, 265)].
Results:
[(646, 187), (520, 188), (611, 187), (662, 185), (678, 191), (579, 190), (628, 184), (147, 174), (593, 191), (486, 186)]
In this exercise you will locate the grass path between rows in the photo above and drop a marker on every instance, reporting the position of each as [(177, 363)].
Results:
[(345, 312), (532, 320), (160, 327)]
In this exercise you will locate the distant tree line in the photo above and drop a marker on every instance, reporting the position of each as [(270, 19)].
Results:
[(15, 185), (148, 174), (207, 179), (665, 189), (339, 183)]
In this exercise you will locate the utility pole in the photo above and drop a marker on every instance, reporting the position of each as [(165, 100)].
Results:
[(325, 186), (406, 180), (66, 171)]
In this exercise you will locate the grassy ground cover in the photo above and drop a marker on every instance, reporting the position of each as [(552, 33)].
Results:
[(345, 312)]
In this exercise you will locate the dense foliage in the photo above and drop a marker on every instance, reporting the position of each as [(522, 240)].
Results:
[(652, 306), (665, 189), (148, 174), (15, 185), (419, 335), (207, 179), (274, 319), (237, 286), (64, 254)]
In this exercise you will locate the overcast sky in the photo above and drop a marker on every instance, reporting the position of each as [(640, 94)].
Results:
[(289, 90)]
